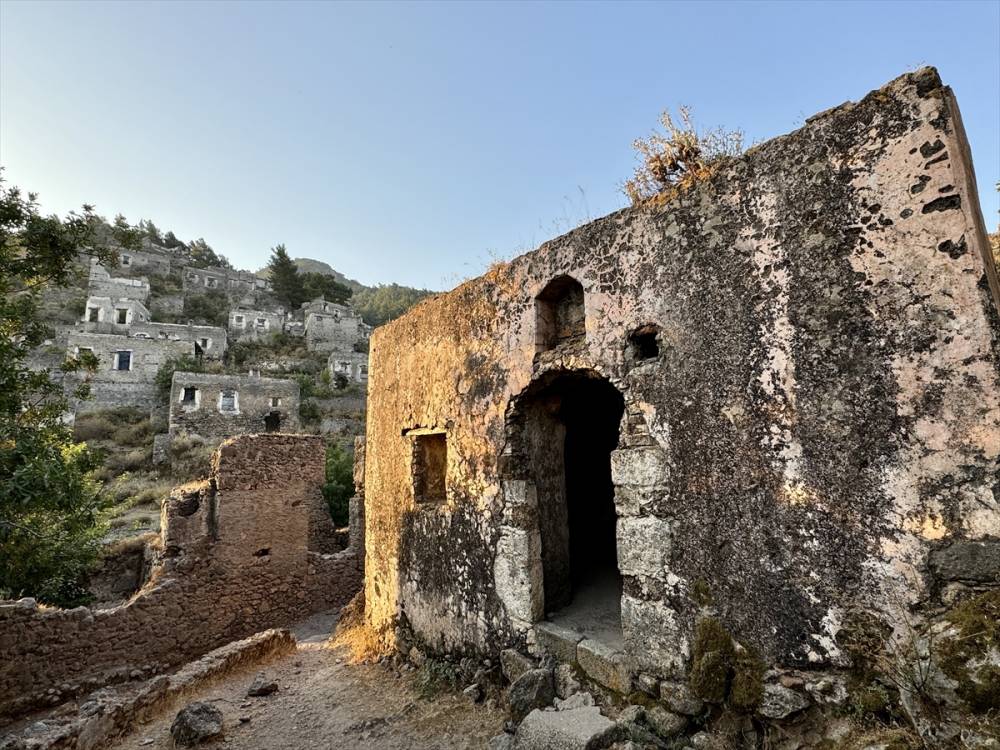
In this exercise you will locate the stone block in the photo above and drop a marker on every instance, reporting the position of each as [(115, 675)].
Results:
[(513, 663), (517, 574), (644, 547), (557, 641), (640, 467), (976, 561), (576, 729), (605, 665), (653, 637)]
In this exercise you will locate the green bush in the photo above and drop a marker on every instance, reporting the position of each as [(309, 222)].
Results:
[(309, 412), (339, 485), (207, 309)]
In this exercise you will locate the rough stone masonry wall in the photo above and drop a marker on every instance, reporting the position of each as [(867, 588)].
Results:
[(236, 560), (820, 426)]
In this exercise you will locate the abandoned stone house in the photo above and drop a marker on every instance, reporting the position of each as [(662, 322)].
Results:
[(148, 260), (101, 283), (352, 365), (773, 397), (331, 327), (220, 406), (113, 311), (222, 279), (127, 367), (245, 324)]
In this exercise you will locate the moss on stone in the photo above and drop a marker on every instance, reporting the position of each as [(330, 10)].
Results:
[(701, 592), (961, 655), (720, 673), (709, 678), (747, 688)]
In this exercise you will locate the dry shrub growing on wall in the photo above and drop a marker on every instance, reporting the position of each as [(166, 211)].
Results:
[(677, 158)]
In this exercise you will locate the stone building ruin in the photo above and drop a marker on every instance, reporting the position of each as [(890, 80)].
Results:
[(774, 399), (236, 554), (330, 327), (218, 406)]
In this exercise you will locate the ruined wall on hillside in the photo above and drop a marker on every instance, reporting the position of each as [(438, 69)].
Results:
[(236, 559), (817, 426)]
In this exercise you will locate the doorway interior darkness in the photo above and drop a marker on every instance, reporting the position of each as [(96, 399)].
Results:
[(571, 426)]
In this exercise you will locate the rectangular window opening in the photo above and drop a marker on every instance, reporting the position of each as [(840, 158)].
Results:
[(123, 360), (188, 396), (122, 315), (430, 468), (227, 401)]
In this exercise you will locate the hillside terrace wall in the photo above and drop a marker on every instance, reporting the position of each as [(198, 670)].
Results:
[(235, 560), (808, 352), (255, 399), (255, 324)]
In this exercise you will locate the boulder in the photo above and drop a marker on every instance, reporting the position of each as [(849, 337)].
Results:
[(577, 700), (533, 689), (195, 723), (665, 723), (566, 682), (262, 686), (779, 702), (577, 729), (501, 742), (513, 663), (680, 699)]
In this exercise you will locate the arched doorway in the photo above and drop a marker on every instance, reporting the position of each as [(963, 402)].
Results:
[(568, 425)]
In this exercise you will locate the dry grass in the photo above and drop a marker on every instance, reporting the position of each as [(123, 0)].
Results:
[(676, 159), (361, 640)]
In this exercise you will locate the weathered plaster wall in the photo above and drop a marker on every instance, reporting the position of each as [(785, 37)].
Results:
[(335, 330), (236, 560), (822, 416), (255, 324), (254, 396)]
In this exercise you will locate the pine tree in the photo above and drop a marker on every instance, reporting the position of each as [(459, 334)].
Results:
[(285, 279)]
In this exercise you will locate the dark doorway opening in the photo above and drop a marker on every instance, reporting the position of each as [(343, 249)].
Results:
[(272, 422), (571, 425)]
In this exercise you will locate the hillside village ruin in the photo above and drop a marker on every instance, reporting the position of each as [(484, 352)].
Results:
[(682, 461), (131, 345)]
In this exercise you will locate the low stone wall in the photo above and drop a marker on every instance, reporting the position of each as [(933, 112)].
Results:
[(236, 560)]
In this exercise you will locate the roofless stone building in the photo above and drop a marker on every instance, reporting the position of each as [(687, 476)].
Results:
[(775, 398)]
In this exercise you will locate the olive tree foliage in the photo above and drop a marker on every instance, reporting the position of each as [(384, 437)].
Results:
[(49, 502)]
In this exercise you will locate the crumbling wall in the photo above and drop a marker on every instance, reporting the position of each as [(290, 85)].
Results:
[(236, 560), (818, 418)]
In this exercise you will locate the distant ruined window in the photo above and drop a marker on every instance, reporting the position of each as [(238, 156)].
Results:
[(228, 400), (126, 260), (190, 396), (123, 360), (430, 468), (559, 314), (122, 313), (262, 322), (238, 320), (93, 314), (211, 283), (204, 343), (275, 401)]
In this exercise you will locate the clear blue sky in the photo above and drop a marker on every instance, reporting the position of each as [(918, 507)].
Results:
[(411, 142)]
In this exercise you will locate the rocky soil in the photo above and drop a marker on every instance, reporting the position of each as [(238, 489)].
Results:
[(324, 702)]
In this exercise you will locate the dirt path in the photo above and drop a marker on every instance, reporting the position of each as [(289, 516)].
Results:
[(322, 702)]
